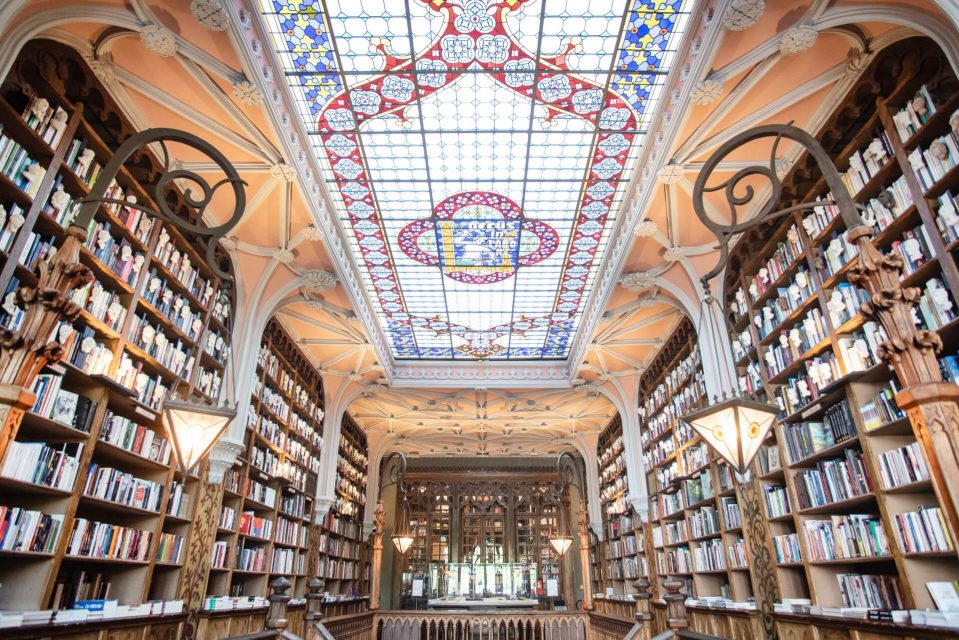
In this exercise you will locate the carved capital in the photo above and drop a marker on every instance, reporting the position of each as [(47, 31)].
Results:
[(222, 457), (646, 228), (318, 280)]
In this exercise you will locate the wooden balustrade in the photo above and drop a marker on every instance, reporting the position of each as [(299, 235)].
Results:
[(605, 627), (357, 626), (436, 625)]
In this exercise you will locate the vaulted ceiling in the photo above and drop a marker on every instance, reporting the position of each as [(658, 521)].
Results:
[(211, 67)]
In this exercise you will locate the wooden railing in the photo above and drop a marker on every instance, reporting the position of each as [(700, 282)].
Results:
[(480, 625), (358, 626), (606, 627)]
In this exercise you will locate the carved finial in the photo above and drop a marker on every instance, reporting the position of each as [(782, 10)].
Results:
[(159, 40), (797, 40)]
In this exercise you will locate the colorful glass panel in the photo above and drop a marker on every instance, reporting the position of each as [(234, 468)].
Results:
[(477, 152)]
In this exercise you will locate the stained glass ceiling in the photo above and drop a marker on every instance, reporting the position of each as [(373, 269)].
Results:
[(477, 152)]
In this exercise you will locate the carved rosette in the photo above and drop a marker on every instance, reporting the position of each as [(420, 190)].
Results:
[(930, 403), (24, 352)]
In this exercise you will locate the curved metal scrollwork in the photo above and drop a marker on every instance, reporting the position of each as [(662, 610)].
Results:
[(397, 474), (739, 194), (205, 195)]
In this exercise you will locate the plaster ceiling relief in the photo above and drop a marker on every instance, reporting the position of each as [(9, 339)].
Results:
[(480, 421)]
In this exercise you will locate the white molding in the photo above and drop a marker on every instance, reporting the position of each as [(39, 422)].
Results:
[(456, 375)]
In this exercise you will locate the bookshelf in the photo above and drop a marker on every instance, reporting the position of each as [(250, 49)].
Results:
[(695, 521), (91, 501), (344, 564), (847, 490), (622, 552), (266, 515)]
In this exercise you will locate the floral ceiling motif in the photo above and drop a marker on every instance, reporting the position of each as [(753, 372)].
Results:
[(477, 153)]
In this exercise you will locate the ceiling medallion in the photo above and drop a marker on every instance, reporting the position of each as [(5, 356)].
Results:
[(797, 40), (159, 40), (210, 14), (478, 237)]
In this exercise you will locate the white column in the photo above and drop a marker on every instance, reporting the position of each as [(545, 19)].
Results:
[(586, 444), (715, 349), (379, 445), (624, 392), (338, 392)]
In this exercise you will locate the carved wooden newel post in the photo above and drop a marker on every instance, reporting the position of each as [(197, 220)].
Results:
[(643, 616), (675, 605), (929, 402), (376, 559), (276, 619), (584, 555)]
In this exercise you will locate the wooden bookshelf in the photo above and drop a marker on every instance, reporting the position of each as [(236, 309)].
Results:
[(268, 501), (130, 346), (344, 564), (620, 558), (695, 524), (802, 343)]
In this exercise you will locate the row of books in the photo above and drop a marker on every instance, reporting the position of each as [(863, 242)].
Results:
[(221, 551), (11, 220), (254, 525), (738, 557), (288, 562), (173, 306), (923, 530), (698, 488), (52, 465), (709, 555), (82, 160), (833, 480), (259, 492), (251, 559), (93, 539), (116, 253), (103, 304), (676, 377), (130, 436), (48, 120), (60, 405), (881, 409), (789, 298), (28, 530), (870, 591), (704, 522), (170, 548), (846, 536), (173, 354), (227, 518), (902, 466), (621, 547), (933, 163), (79, 586), (805, 439), (864, 164), (123, 488), (794, 343), (290, 532), (936, 304), (150, 391), (627, 568), (17, 164), (674, 561), (179, 264), (844, 301), (777, 500), (787, 548), (914, 113), (785, 254)]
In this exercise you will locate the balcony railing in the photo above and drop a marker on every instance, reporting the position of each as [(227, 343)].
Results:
[(486, 625)]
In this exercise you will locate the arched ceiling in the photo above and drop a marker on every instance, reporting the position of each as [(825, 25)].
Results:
[(207, 66)]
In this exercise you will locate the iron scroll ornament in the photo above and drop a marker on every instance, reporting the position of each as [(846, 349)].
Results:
[(725, 231), (167, 179)]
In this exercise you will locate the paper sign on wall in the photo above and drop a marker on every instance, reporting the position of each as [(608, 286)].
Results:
[(552, 588), (417, 588)]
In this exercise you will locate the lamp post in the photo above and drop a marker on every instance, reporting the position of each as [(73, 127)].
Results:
[(930, 403), (401, 537), (193, 426), (562, 539)]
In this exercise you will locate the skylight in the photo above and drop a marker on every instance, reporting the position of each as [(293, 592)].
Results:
[(477, 153)]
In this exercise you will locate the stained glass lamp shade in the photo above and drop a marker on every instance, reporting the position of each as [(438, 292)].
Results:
[(402, 538), (735, 428), (194, 428), (561, 543)]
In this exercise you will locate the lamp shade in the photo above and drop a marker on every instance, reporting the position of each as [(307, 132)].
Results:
[(735, 428), (402, 541), (194, 428), (560, 543)]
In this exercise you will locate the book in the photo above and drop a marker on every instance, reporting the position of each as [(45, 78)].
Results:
[(945, 595)]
